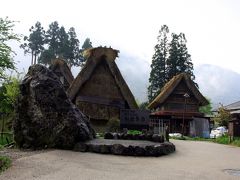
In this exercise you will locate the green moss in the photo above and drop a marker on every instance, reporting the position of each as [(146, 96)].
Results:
[(5, 162)]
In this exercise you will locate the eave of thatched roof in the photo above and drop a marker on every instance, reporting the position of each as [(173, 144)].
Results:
[(94, 57), (172, 84), (64, 69)]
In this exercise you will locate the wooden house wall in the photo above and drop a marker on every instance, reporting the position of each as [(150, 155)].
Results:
[(176, 100), (100, 97), (234, 126)]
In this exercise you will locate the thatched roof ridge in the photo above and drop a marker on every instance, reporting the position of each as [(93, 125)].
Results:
[(94, 57), (172, 84), (63, 67)]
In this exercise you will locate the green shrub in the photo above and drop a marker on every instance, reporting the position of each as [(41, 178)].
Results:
[(236, 141), (5, 163), (222, 140), (134, 132), (113, 125), (5, 139), (99, 135)]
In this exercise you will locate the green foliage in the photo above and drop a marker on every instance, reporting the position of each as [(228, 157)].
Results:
[(9, 92), (6, 35), (220, 140), (34, 44), (158, 67), (134, 132), (5, 163), (222, 117), (99, 135), (236, 141), (87, 44), (46, 56), (113, 125), (206, 109), (170, 58), (56, 42), (5, 139), (179, 60)]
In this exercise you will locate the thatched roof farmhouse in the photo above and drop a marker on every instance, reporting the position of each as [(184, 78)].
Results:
[(178, 103), (61, 69), (99, 90)]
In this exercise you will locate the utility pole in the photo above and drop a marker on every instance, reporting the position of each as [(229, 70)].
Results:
[(186, 95)]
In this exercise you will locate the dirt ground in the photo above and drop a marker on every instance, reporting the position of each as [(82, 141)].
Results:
[(192, 160)]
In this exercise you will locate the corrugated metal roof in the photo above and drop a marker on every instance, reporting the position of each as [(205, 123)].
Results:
[(235, 105), (235, 112)]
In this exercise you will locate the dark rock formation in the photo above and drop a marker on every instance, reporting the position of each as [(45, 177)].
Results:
[(45, 117), (108, 135), (149, 136), (118, 149), (82, 147), (157, 138)]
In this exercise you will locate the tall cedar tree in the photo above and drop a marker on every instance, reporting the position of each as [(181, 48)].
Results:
[(86, 45), (74, 54), (61, 44), (179, 59), (58, 44), (52, 37), (52, 41), (169, 59), (34, 44), (158, 67)]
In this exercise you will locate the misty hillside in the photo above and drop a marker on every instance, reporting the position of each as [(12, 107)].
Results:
[(219, 84)]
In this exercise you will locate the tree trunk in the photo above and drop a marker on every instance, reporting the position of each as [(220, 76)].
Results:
[(35, 58), (32, 59)]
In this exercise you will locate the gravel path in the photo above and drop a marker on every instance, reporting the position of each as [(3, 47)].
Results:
[(192, 160)]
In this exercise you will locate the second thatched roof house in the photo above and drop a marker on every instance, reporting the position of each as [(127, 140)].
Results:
[(178, 104), (99, 90), (61, 69)]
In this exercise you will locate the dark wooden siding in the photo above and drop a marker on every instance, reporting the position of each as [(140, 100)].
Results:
[(100, 97), (176, 100)]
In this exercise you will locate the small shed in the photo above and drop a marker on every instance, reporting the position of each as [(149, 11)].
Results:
[(61, 69), (234, 124), (99, 90), (178, 104)]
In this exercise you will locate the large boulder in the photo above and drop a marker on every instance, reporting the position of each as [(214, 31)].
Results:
[(45, 116)]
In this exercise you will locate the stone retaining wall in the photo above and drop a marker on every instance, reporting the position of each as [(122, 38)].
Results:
[(130, 148)]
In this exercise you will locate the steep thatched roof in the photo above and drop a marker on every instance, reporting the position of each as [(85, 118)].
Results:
[(62, 67), (172, 84), (94, 56)]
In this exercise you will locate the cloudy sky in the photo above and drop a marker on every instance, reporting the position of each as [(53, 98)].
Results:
[(211, 26)]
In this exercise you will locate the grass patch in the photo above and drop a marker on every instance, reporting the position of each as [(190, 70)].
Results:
[(5, 139), (5, 162), (219, 140), (236, 142), (134, 132)]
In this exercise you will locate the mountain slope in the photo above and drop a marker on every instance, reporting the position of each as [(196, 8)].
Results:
[(219, 84)]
